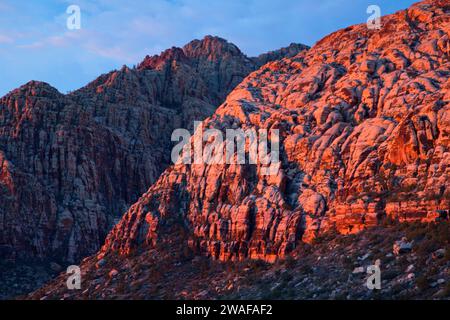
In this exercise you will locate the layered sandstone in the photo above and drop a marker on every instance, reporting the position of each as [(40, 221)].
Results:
[(70, 165), (364, 121)]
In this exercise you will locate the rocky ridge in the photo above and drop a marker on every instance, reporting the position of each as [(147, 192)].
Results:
[(333, 267), (364, 121), (70, 165)]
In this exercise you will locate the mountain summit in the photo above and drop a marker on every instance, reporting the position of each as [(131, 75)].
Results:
[(363, 117), (364, 122), (70, 165)]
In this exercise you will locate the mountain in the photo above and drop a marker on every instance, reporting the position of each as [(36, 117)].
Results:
[(364, 125), (364, 128), (70, 165), (288, 52)]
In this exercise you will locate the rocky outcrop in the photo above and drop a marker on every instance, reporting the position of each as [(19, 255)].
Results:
[(363, 118), (288, 52), (70, 165), (412, 258)]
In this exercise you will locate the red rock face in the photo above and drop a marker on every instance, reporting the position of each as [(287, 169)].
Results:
[(364, 121), (70, 165)]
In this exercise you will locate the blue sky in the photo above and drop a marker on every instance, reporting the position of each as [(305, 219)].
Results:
[(35, 43)]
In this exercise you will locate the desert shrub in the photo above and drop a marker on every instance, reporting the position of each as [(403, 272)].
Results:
[(433, 271), (375, 238), (403, 262), (389, 275), (348, 263), (326, 237), (422, 283), (302, 249), (268, 294), (415, 231), (441, 232), (426, 247), (258, 265), (346, 240), (446, 291), (447, 254), (186, 254), (306, 269), (121, 287), (398, 288), (388, 221), (406, 295), (155, 276), (286, 277), (204, 266), (290, 262), (252, 279)]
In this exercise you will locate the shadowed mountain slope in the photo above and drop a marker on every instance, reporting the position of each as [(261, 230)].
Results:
[(70, 165)]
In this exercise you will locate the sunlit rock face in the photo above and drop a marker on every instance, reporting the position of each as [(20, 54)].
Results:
[(364, 122), (70, 165)]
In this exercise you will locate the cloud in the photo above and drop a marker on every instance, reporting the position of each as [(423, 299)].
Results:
[(115, 32), (113, 52), (5, 39), (66, 39)]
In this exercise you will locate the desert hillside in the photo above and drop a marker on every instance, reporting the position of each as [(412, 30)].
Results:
[(364, 128)]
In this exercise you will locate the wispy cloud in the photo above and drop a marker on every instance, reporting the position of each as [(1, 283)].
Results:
[(63, 40), (115, 32), (5, 39)]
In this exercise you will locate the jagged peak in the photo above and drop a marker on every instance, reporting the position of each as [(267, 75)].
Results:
[(34, 88), (154, 62), (439, 3), (211, 46), (38, 85), (286, 52)]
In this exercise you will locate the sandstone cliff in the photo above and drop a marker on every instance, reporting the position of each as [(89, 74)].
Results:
[(364, 121), (70, 165)]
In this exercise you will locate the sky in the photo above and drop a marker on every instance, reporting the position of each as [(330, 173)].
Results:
[(36, 43)]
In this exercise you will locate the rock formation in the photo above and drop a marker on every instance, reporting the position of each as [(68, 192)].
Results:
[(70, 165), (364, 122)]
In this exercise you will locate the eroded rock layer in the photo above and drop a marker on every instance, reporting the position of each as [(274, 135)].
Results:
[(70, 165), (364, 118)]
